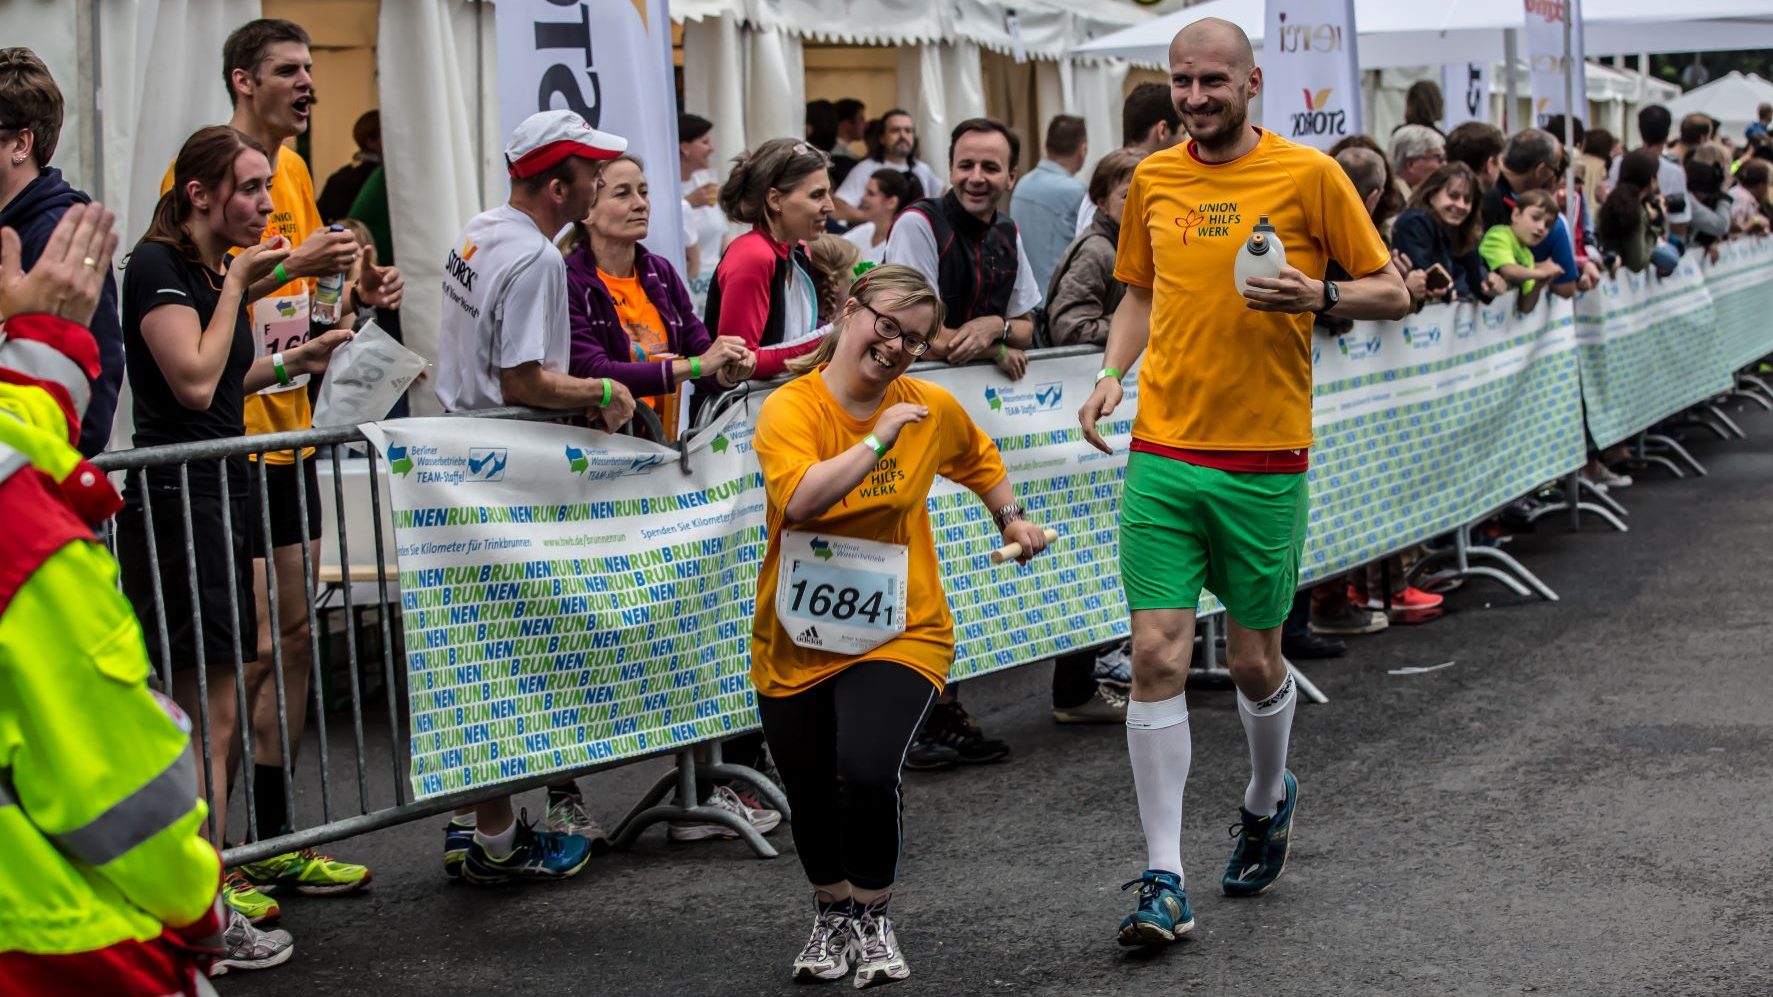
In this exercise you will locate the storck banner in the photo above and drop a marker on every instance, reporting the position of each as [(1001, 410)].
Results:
[(1546, 57), (1311, 89), (1466, 88), (610, 61)]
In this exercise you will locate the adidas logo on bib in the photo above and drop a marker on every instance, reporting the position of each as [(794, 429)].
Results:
[(809, 636)]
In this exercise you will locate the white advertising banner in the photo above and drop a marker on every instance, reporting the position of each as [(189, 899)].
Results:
[(1311, 89), (610, 61), (1466, 89), (1547, 58)]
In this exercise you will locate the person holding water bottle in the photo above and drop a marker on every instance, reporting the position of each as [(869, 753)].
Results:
[(1215, 492), (853, 638), (268, 72)]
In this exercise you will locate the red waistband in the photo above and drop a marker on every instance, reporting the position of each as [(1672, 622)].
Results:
[(1240, 461)]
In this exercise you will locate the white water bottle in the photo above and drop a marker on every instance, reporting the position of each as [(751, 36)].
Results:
[(327, 293), (1261, 255)]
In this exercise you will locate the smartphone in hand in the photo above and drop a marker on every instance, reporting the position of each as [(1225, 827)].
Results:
[(1438, 279)]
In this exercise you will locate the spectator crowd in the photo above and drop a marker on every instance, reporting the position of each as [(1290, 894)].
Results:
[(553, 300)]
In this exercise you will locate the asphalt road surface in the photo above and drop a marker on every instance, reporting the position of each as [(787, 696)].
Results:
[(1579, 804)]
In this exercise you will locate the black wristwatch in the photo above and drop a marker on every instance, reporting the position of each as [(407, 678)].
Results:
[(1332, 297)]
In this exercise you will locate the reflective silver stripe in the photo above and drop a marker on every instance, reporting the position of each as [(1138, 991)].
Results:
[(46, 363), (11, 460), (136, 818)]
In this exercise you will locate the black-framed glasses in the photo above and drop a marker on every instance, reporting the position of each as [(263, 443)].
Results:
[(887, 328)]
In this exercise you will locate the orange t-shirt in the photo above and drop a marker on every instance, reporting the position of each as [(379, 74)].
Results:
[(1217, 375), (647, 336), (800, 425), (280, 319)]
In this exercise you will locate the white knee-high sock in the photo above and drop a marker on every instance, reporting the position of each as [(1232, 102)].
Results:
[(1267, 726), (1161, 748)]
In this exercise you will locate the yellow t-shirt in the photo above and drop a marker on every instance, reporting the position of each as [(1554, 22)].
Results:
[(800, 425), (280, 319), (1217, 375)]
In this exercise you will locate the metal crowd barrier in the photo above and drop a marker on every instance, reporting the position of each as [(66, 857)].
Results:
[(344, 813)]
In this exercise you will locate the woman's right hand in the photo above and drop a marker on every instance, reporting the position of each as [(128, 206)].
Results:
[(886, 428), (257, 262), (1417, 284), (725, 351)]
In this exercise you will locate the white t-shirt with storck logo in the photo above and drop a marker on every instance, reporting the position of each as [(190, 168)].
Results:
[(504, 305)]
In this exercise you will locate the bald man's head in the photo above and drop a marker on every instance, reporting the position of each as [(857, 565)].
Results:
[(1215, 38), (1213, 78)]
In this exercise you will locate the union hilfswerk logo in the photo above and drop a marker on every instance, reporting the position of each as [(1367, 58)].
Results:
[(399, 462), (487, 463), (821, 548)]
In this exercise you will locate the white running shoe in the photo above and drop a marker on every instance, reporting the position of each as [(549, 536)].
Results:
[(567, 815), (763, 819), (251, 948), (831, 948), (881, 960)]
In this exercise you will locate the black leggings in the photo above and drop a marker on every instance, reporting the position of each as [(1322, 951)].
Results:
[(839, 747)]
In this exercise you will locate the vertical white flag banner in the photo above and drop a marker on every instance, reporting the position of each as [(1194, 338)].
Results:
[(1465, 87), (1546, 57), (610, 61), (1311, 77)]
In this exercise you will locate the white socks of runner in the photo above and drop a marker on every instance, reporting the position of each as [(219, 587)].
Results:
[(499, 845), (1161, 748), (1267, 726)]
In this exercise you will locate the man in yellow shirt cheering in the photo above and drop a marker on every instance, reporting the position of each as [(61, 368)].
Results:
[(1215, 492)]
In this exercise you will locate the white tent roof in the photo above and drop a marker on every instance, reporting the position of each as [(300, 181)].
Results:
[(1411, 33), (1731, 99), (1050, 29)]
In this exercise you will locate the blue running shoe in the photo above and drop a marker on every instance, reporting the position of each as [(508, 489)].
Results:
[(1163, 914), (1260, 855), (456, 840), (537, 855)]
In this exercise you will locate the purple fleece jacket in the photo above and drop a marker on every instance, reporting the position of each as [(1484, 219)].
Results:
[(600, 345)]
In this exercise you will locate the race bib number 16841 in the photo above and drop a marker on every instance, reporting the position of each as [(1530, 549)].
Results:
[(840, 594)]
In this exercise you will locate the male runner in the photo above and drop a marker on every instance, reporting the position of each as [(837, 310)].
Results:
[(1215, 488)]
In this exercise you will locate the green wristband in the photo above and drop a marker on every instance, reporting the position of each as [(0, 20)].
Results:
[(695, 366), (1108, 372), (281, 274), (281, 371), (1002, 350), (608, 393), (873, 443)]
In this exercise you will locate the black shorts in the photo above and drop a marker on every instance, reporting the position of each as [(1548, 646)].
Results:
[(223, 601), (286, 510)]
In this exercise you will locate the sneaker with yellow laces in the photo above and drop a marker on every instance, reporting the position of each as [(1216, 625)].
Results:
[(242, 896), (308, 872)]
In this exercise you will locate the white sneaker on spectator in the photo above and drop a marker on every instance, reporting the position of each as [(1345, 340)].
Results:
[(724, 798), (1609, 478), (251, 948), (567, 815)]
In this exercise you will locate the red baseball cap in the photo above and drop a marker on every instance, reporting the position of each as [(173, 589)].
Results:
[(546, 138)]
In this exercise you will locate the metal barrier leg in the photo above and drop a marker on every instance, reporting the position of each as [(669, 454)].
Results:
[(1747, 393), (1640, 449), (1572, 503), (1306, 686), (1461, 554), (1518, 569), (1667, 443), (1602, 497), (1756, 386), (1717, 412), (631, 827), (718, 767)]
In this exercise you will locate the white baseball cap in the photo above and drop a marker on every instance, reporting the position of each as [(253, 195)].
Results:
[(546, 138)]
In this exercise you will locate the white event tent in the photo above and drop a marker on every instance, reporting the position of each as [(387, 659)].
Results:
[(1408, 33), (1731, 99)]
